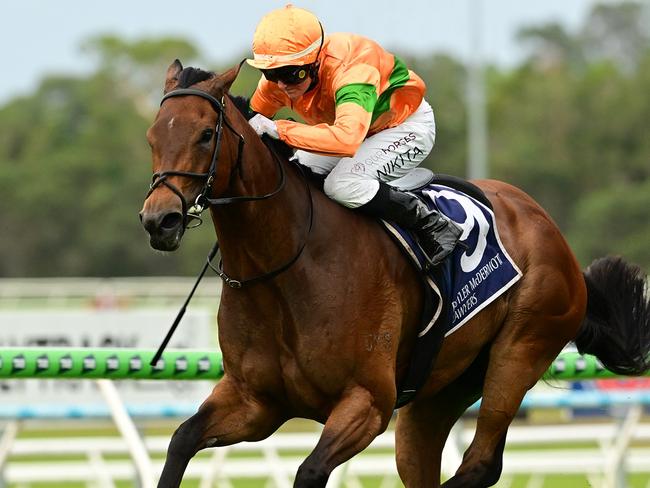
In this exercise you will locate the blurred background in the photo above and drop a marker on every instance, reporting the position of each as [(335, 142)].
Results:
[(553, 97)]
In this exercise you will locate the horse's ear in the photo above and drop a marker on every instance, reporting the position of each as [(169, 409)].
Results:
[(172, 75), (224, 81)]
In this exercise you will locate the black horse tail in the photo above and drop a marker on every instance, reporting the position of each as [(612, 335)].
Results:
[(616, 328)]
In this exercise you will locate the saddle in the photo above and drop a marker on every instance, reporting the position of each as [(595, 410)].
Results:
[(463, 284), (418, 178)]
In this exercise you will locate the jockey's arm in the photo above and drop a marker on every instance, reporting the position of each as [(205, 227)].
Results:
[(342, 138), (355, 99), (264, 101)]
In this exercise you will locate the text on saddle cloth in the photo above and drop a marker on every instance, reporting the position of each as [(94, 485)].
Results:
[(478, 272)]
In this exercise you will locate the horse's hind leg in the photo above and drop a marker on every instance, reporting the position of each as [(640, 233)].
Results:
[(226, 417), (519, 356), (424, 425)]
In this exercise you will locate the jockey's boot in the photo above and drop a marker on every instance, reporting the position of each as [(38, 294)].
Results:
[(436, 234)]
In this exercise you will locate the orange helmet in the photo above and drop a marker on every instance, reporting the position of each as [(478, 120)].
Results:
[(286, 36)]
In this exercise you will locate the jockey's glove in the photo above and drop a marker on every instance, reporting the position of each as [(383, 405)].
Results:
[(263, 125)]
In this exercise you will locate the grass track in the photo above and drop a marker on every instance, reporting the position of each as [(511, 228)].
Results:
[(166, 429)]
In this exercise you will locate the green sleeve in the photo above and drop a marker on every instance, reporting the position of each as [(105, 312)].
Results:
[(363, 94)]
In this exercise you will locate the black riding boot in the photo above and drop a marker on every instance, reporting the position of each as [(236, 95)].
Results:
[(437, 235)]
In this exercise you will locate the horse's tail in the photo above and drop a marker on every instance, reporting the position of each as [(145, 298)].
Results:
[(616, 328)]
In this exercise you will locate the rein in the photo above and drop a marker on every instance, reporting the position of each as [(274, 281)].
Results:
[(203, 201)]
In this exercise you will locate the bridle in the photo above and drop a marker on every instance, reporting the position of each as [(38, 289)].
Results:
[(203, 200)]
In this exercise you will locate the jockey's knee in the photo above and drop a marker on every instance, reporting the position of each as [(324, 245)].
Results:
[(349, 189)]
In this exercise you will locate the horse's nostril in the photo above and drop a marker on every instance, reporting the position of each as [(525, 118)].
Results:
[(171, 221)]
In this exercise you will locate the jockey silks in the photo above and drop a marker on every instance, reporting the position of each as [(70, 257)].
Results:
[(362, 89)]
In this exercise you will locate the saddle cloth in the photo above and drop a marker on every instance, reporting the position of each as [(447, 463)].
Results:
[(475, 274)]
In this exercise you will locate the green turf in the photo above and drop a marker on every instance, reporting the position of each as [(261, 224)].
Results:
[(166, 429)]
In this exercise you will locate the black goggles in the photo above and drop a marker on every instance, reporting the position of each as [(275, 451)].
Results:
[(289, 75)]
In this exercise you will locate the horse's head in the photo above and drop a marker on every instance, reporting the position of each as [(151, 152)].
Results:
[(187, 141)]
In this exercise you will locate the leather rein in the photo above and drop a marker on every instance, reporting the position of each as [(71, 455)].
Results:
[(191, 215)]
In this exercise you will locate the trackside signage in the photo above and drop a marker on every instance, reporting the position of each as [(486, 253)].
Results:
[(142, 328)]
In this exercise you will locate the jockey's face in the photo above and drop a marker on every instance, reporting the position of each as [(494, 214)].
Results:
[(295, 91)]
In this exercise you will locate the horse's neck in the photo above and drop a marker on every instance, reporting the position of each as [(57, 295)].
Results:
[(258, 236)]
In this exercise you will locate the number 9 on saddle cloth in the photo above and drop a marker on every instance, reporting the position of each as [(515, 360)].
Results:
[(475, 273)]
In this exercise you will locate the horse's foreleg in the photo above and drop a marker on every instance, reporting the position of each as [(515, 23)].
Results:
[(424, 425), (353, 424), (226, 417)]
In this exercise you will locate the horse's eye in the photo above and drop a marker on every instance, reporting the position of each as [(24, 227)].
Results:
[(206, 136)]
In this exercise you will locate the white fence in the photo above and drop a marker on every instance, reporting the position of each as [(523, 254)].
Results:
[(613, 450)]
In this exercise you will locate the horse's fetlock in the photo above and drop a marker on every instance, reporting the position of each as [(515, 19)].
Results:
[(182, 443), (311, 477)]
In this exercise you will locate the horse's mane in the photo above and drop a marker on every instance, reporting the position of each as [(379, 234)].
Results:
[(191, 76)]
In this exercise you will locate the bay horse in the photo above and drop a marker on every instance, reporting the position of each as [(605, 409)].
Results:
[(320, 310)]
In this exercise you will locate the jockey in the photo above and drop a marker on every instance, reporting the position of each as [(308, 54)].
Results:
[(366, 121)]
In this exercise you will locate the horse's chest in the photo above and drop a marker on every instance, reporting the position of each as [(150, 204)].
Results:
[(304, 367)]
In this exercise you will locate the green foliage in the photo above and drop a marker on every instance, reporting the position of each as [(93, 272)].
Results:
[(445, 78), (613, 221), (74, 167), (569, 126), (572, 130)]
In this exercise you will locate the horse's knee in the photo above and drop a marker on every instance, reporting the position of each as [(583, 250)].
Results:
[(185, 441)]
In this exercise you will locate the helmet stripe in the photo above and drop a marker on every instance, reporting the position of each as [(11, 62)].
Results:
[(289, 57)]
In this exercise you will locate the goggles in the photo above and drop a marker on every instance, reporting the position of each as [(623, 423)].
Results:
[(289, 75)]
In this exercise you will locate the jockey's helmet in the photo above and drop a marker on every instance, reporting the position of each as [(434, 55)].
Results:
[(288, 36)]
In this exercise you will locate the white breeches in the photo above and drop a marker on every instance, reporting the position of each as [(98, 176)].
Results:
[(387, 155)]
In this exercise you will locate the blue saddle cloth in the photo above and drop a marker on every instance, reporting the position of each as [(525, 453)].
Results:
[(467, 281)]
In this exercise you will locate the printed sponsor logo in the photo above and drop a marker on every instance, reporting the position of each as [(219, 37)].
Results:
[(402, 141), (466, 299), (380, 154), (375, 158), (389, 168)]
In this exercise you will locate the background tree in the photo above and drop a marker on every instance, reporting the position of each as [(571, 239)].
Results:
[(569, 125), (136, 66)]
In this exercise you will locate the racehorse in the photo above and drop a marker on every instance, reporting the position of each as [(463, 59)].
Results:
[(320, 309)]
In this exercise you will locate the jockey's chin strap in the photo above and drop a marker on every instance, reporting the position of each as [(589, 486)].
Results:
[(203, 201)]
